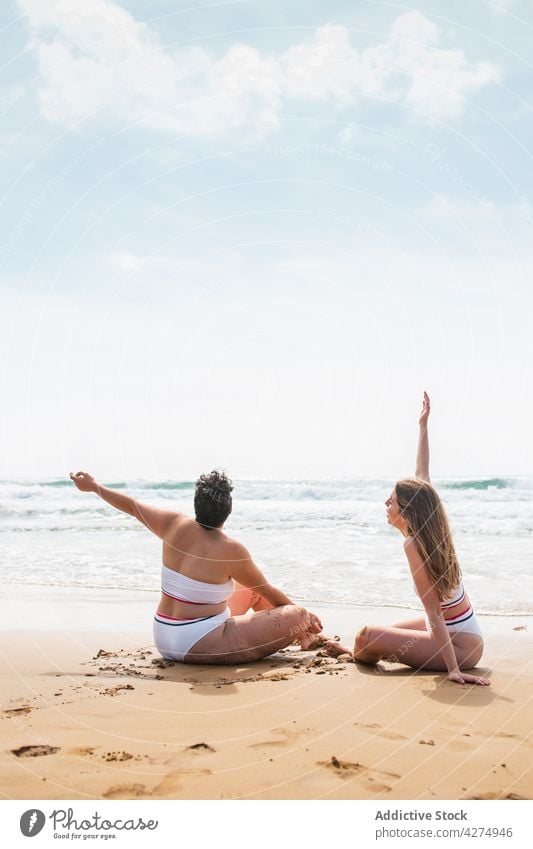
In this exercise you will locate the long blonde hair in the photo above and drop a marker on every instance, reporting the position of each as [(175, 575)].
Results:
[(427, 523)]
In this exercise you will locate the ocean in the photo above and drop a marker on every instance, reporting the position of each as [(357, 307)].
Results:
[(323, 542)]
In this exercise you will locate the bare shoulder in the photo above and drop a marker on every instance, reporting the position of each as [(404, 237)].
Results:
[(180, 528), (180, 521), (236, 550), (183, 521)]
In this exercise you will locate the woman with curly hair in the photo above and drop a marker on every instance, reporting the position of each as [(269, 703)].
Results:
[(209, 580), (448, 638)]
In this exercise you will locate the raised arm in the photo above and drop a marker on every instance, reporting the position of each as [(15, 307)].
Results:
[(154, 518), (422, 451)]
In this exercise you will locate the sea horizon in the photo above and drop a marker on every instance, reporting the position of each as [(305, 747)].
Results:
[(323, 541)]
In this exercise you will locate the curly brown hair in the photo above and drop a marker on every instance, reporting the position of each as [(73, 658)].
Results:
[(212, 499)]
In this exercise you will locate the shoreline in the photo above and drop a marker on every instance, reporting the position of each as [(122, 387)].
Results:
[(90, 711), (42, 606)]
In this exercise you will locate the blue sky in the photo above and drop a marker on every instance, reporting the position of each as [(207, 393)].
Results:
[(250, 234)]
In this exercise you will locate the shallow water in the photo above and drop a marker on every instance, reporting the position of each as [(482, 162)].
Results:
[(321, 541)]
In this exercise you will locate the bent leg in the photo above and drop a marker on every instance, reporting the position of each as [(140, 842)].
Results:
[(418, 624), (244, 599), (416, 648), (364, 654), (243, 639), (259, 603)]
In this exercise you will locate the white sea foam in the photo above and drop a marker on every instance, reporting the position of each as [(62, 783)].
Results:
[(326, 541)]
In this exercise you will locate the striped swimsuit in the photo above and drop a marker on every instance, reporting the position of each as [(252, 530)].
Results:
[(459, 614)]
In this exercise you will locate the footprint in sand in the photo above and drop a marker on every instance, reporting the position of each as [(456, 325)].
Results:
[(127, 791), (19, 711), (285, 735), (375, 728), (348, 769), (167, 788), (35, 751), (496, 795), (201, 747), (503, 735)]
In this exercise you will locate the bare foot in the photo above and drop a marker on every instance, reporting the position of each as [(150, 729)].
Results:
[(334, 649), (364, 656)]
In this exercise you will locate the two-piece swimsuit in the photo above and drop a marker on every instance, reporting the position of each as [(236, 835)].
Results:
[(174, 638), (458, 613)]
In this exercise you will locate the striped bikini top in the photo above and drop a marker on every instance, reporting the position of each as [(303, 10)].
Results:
[(457, 608), (181, 588)]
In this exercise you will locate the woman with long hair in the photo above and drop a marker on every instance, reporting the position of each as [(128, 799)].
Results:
[(209, 581), (448, 638)]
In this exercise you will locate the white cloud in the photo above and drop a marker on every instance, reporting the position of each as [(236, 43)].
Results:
[(438, 80), (96, 57), (325, 67)]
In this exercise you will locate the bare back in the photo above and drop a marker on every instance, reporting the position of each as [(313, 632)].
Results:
[(194, 551), (201, 554)]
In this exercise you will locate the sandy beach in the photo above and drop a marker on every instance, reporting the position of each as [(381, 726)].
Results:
[(95, 714)]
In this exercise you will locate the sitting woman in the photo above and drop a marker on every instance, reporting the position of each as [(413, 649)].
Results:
[(449, 637), (208, 581)]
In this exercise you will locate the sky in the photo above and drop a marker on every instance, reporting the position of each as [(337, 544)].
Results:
[(248, 235)]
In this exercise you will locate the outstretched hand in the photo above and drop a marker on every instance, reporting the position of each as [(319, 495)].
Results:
[(426, 408), (84, 481), (464, 678)]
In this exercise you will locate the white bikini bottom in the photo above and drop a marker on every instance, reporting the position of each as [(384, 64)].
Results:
[(174, 638), (469, 626)]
